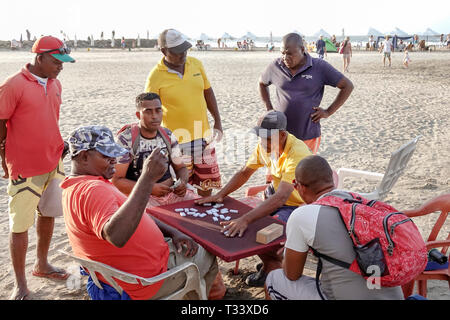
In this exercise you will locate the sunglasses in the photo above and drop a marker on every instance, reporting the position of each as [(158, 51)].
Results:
[(62, 50), (297, 183)]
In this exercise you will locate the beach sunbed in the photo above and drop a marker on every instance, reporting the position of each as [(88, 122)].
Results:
[(397, 164), (434, 270), (186, 277)]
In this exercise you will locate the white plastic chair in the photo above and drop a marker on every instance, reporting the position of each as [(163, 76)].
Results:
[(185, 276), (397, 164)]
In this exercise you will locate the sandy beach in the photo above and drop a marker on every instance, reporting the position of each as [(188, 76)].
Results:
[(388, 107)]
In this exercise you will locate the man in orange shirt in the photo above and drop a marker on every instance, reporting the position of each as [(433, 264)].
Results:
[(31, 152), (104, 225)]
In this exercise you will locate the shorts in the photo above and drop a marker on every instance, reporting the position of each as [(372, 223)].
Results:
[(347, 55), (387, 54), (283, 213), (25, 195), (279, 287), (201, 162), (313, 144)]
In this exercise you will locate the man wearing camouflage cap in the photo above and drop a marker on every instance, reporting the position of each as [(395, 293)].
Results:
[(105, 226)]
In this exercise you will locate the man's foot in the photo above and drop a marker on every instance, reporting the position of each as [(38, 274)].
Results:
[(20, 294), (256, 279), (50, 272)]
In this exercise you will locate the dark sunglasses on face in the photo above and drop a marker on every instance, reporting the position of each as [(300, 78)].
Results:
[(62, 50)]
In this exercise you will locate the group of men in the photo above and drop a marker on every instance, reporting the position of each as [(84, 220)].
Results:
[(167, 157)]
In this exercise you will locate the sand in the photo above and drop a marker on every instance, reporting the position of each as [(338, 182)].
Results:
[(388, 107)]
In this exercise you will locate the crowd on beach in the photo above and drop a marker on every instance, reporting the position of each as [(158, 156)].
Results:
[(168, 156)]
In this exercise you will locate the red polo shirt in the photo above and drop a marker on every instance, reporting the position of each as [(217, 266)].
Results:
[(88, 204), (33, 143)]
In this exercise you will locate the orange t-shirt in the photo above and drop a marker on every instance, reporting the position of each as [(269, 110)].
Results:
[(33, 143), (88, 203)]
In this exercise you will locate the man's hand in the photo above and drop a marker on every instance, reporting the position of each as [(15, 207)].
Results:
[(155, 166), (160, 190), (180, 191), (181, 240), (234, 227), (217, 198), (319, 114), (218, 131), (4, 166)]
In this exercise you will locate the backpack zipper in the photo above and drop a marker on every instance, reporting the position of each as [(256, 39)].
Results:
[(391, 245), (393, 226), (352, 223)]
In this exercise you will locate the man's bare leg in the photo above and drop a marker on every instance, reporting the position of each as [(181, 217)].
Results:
[(18, 245)]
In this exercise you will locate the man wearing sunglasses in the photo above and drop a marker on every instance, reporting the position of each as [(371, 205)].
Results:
[(32, 150)]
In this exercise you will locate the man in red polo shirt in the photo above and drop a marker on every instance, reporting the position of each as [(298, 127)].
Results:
[(31, 152)]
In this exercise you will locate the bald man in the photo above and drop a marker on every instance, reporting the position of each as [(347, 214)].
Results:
[(300, 82), (321, 228)]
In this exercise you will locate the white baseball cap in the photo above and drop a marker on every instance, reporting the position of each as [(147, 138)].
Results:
[(174, 41)]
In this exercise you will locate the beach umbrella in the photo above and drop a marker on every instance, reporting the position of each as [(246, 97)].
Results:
[(249, 35), (429, 32), (374, 32), (323, 33), (226, 36), (398, 32), (204, 37)]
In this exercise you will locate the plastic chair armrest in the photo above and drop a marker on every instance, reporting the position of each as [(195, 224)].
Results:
[(346, 172)]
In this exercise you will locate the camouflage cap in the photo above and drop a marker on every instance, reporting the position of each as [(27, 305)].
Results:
[(99, 138)]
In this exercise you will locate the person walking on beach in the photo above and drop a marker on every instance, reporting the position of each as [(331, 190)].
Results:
[(386, 48), (186, 95), (406, 59), (321, 48), (300, 82), (32, 156), (346, 53)]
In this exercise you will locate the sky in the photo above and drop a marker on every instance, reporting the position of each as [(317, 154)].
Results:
[(236, 17)]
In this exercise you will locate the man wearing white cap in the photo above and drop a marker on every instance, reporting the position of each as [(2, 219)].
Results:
[(32, 150), (186, 96)]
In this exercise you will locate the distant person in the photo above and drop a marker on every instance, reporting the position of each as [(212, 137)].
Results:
[(105, 226), (386, 48), (148, 135), (122, 43), (300, 81), (448, 41), (218, 43), (32, 156), (347, 53), (321, 48), (321, 228), (333, 39), (281, 152), (371, 43), (187, 97), (406, 59)]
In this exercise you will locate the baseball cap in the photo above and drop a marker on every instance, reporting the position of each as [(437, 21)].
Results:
[(54, 46), (174, 40), (271, 122), (99, 138)]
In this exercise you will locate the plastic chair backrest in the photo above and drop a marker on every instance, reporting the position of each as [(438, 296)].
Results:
[(192, 280), (397, 164)]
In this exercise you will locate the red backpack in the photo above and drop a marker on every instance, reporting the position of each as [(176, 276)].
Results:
[(382, 238)]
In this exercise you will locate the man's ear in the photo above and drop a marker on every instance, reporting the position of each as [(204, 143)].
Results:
[(138, 115), (164, 51)]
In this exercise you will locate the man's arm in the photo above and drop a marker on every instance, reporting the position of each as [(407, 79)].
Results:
[(238, 180), (270, 205), (3, 132), (211, 103), (294, 263), (123, 223), (264, 93), (346, 88)]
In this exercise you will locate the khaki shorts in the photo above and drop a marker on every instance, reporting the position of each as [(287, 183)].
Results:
[(28, 195)]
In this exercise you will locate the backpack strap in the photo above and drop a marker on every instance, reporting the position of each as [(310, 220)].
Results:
[(334, 261), (166, 139)]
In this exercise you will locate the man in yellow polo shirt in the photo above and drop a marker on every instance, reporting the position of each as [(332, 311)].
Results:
[(281, 152), (186, 96)]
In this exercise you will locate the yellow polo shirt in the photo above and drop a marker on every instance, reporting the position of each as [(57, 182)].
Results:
[(283, 169), (183, 101)]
